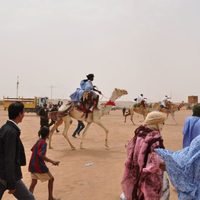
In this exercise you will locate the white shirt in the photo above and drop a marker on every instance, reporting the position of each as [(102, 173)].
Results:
[(166, 98), (140, 99), (14, 123)]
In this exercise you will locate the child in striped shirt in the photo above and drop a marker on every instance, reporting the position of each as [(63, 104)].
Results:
[(37, 166)]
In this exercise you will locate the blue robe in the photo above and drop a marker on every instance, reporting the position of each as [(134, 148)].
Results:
[(183, 168), (85, 85), (191, 130)]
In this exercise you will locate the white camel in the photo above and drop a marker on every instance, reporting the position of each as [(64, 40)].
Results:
[(93, 117)]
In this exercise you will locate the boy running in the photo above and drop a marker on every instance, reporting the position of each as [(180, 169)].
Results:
[(37, 166)]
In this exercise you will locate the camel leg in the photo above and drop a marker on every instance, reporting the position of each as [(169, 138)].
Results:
[(84, 134), (67, 123), (125, 116), (55, 126), (144, 116), (132, 119), (173, 117), (106, 131)]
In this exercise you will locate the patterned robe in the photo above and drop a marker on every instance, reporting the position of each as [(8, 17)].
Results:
[(183, 168), (143, 177)]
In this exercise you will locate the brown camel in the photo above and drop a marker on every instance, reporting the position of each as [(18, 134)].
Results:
[(93, 117), (140, 109), (170, 109)]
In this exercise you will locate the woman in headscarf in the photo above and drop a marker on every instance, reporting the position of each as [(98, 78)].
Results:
[(143, 175)]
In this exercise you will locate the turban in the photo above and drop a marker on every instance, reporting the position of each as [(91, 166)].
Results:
[(154, 117), (90, 76)]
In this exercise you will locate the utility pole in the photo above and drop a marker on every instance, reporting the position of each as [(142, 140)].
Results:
[(17, 96), (170, 94), (51, 87)]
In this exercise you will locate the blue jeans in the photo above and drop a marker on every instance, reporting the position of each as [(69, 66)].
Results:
[(21, 193)]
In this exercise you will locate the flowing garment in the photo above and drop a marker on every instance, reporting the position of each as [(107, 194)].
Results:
[(143, 177), (183, 168), (85, 85)]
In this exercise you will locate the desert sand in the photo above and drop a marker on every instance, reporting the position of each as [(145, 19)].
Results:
[(93, 173)]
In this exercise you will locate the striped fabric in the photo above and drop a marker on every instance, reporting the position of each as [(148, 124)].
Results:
[(37, 164)]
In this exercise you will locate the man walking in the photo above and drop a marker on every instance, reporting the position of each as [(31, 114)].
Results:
[(12, 155)]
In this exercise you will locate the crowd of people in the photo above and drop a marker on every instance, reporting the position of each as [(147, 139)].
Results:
[(145, 167), (12, 157), (12, 154), (147, 160)]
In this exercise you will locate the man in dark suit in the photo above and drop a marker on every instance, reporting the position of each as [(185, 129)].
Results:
[(12, 155)]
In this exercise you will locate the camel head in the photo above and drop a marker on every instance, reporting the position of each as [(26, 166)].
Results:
[(118, 93)]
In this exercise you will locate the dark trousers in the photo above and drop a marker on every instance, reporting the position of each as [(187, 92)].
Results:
[(79, 128), (21, 193)]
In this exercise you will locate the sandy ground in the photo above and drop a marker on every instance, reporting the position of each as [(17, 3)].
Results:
[(100, 179)]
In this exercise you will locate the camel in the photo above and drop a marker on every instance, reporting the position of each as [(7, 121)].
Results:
[(170, 110), (93, 117), (140, 109)]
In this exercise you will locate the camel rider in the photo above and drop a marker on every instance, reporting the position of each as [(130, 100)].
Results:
[(164, 102), (86, 85), (141, 100)]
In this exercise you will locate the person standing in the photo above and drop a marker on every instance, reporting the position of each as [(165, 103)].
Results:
[(53, 121), (12, 155), (43, 113), (191, 127), (144, 169), (183, 168)]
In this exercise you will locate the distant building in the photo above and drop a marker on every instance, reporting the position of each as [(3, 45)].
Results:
[(192, 100)]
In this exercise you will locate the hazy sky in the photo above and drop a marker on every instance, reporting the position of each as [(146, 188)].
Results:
[(143, 46)]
